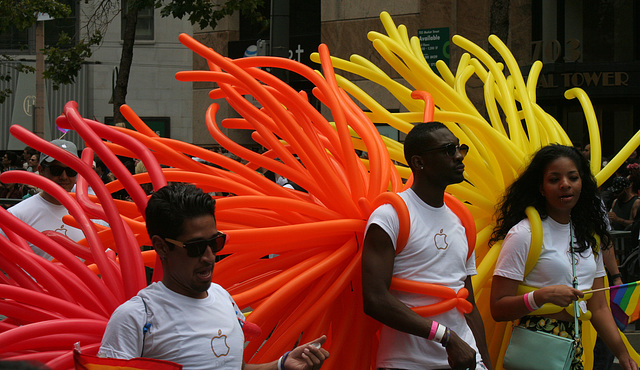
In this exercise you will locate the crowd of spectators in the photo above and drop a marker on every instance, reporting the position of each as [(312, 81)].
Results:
[(620, 193), (11, 194), (28, 161)]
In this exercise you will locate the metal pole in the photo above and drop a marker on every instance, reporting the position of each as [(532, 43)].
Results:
[(38, 128), (280, 34)]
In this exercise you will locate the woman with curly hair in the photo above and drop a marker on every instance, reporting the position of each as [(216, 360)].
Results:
[(559, 185)]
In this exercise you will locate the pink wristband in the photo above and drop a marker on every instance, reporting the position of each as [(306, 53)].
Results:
[(526, 301), (434, 329)]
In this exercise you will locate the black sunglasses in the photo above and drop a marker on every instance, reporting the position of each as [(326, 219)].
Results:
[(451, 149), (198, 247), (57, 170)]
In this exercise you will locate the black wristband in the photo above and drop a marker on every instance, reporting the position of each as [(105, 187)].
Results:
[(616, 276)]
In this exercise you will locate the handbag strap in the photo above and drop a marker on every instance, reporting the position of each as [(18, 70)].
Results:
[(576, 312)]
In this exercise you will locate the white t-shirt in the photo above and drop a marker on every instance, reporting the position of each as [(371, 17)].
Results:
[(43, 215), (436, 252), (554, 264), (196, 333)]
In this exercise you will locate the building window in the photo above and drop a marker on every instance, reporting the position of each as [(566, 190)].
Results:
[(17, 42), (144, 25), (568, 31), (69, 25)]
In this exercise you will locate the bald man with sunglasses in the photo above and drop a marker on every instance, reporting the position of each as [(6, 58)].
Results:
[(436, 252), (185, 318), (42, 211)]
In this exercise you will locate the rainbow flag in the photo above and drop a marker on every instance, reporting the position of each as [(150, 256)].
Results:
[(89, 362), (625, 303), (63, 130)]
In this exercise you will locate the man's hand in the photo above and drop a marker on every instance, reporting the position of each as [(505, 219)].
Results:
[(307, 356), (459, 354)]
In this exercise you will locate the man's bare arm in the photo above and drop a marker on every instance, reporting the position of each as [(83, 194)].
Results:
[(474, 320), (377, 270)]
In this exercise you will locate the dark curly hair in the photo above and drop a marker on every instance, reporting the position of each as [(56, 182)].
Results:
[(588, 215)]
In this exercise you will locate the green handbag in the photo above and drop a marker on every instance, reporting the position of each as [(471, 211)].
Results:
[(537, 350)]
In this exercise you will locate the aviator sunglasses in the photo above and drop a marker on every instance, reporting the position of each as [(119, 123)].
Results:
[(451, 149), (196, 248), (57, 170)]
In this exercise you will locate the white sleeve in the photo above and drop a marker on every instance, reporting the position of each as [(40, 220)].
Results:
[(386, 217), (123, 336), (471, 264), (600, 271), (513, 255)]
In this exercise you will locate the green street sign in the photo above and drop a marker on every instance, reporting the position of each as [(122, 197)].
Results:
[(434, 43)]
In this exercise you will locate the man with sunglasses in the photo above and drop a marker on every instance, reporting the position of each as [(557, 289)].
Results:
[(436, 252), (185, 318), (42, 211)]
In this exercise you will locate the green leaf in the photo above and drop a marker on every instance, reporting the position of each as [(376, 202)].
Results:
[(65, 63)]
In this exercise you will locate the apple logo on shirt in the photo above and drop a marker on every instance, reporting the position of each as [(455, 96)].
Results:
[(219, 345), (440, 240), (62, 230)]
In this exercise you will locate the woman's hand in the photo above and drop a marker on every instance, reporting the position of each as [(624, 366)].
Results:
[(627, 363), (560, 295), (507, 304)]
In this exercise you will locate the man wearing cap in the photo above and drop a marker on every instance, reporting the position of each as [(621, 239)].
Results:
[(625, 207), (42, 211)]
